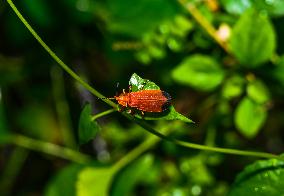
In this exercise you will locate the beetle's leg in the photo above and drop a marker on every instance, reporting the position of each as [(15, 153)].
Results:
[(132, 112), (121, 109), (142, 115), (130, 88), (123, 91)]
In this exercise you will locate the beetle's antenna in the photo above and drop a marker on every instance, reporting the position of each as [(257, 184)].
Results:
[(117, 85), (107, 98)]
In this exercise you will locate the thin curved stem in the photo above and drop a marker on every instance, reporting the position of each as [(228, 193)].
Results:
[(148, 143), (57, 59), (103, 114), (204, 147), (49, 148)]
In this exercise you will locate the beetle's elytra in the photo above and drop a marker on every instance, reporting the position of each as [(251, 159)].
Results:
[(145, 100)]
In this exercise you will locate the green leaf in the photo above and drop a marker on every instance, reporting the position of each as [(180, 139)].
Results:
[(200, 72), (261, 178), (64, 182), (258, 91), (94, 181), (271, 7), (253, 39), (233, 87), (135, 18), (131, 175), (88, 128), (249, 117), (137, 83), (170, 114), (183, 24)]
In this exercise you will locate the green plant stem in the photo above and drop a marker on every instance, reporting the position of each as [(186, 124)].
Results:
[(136, 152), (204, 147), (49, 148), (62, 107), (71, 155), (103, 114), (149, 142), (57, 59), (203, 22)]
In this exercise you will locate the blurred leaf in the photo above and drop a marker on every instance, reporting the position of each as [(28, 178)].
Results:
[(156, 52), (183, 24), (261, 178), (233, 87), (277, 71), (137, 83), (143, 56), (253, 39), (171, 34), (94, 181), (249, 117), (135, 18), (38, 121), (88, 128), (175, 44), (131, 175), (201, 40), (258, 91), (64, 182), (272, 7), (196, 170), (200, 72)]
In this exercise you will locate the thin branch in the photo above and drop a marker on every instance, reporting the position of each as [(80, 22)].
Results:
[(103, 114), (149, 142), (49, 148), (204, 147)]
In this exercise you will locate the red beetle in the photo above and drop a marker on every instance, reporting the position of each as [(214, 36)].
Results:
[(145, 100)]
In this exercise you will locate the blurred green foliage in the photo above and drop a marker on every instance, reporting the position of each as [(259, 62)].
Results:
[(232, 89)]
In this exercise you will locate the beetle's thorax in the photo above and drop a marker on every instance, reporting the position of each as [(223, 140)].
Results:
[(123, 99)]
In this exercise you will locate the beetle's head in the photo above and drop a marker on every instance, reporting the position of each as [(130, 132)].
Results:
[(122, 99)]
